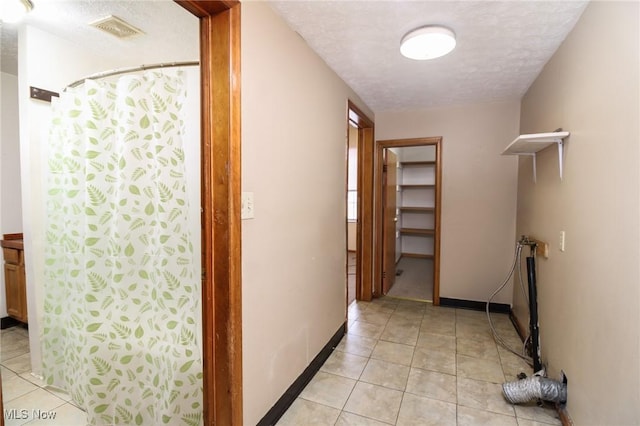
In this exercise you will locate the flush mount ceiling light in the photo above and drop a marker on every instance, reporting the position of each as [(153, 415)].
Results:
[(428, 42), (12, 11)]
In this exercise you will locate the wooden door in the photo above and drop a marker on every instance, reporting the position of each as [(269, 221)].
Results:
[(390, 219)]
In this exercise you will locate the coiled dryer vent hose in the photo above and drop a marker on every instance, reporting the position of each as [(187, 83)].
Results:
[(535, 387)]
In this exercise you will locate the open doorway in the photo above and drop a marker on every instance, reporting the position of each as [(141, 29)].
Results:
[(360, 195), (352, 213), (408, 192)]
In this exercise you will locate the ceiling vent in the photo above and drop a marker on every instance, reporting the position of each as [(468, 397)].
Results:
[(116, 26)]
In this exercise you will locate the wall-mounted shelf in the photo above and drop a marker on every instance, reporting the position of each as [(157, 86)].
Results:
[(532, 143)]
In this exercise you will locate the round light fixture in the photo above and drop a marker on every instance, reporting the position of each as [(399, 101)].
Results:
[(428, 42), (12, 11)]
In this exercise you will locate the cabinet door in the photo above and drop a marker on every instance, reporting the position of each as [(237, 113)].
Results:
[(14, 292)]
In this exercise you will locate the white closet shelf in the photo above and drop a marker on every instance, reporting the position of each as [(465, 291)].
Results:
[(532, 143)]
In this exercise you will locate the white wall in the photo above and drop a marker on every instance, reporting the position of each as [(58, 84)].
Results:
[(10, 154), (11, 200), (589, 295), (294, 135), (478, 191)]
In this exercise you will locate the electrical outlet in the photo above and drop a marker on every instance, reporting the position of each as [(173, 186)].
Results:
[(562, 240)]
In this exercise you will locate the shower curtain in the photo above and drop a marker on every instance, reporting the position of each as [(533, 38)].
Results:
[(121, 290)]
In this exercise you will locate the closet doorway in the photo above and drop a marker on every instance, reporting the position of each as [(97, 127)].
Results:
[(408, 193)]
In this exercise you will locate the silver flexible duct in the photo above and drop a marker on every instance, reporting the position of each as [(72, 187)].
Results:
[(535, 387)]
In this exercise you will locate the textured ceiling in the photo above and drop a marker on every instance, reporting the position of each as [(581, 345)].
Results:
[(170, 30), (501, 46)]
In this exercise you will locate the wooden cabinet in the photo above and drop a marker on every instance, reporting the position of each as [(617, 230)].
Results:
[(14, 279)]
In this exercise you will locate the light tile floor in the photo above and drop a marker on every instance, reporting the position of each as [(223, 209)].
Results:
[(26, 398), (410, 363)]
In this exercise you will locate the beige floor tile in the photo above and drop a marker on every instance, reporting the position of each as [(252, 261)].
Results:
[(401, 332), (420, 411), (64, 415), (527, 422), (393, 352), (437, 342), (477, 331), (350, 419), (462, 314), (366, 329), (303, 412), (412, 312), (432, 384), (374, 317), (357, 345), (473, 417), (446, 326), (328, 389), (14, 387), (440, 361), (36, 380), (344, 364), (38, 399), (20, 364), (13, 346), (6, 373), (485, 349), (545, 414), (479, 369), (385, 374), (483, 396), (375, 402)]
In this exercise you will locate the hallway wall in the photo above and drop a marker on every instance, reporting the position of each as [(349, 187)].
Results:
[(589, 295), (478, 191), (294, 136)]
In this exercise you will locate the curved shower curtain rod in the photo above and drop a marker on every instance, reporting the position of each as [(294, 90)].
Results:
[(133, 69)]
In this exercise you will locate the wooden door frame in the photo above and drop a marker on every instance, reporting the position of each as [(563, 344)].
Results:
[(221, 226), (364, 233), (384, 237), (221, 238), (398, 143)]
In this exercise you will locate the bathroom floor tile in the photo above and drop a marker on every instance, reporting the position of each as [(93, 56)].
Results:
[(20, 364), (65, 415)]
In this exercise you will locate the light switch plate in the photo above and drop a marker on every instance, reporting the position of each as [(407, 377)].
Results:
[(247, 205)]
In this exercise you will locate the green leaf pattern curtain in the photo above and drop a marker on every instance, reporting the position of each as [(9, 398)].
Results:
[(121, 292)]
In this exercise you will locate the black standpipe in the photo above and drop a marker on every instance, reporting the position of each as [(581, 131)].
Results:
[(533, 314)]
